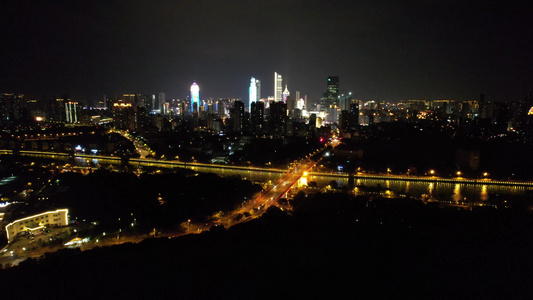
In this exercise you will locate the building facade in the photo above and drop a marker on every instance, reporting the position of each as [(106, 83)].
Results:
[(195, 97), (35, 222), (278, 87)]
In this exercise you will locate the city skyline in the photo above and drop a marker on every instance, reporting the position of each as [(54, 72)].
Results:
[(380, 50)]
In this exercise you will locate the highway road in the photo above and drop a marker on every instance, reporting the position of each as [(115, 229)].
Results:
[(254, 208)]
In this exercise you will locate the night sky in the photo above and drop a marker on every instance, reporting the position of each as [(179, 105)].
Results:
[(389, 50)]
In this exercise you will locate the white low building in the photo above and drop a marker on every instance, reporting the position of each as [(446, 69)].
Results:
[(33, 223)]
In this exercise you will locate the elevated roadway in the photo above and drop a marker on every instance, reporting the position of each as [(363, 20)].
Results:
[(244, 171)]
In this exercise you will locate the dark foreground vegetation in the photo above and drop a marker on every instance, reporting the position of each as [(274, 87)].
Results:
[(332, 246), (116, 200)]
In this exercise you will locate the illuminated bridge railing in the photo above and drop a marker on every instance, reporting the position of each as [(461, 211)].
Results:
[(426, 179), (164, 163)]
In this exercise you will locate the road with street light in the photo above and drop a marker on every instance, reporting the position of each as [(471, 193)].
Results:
[(254, 208)]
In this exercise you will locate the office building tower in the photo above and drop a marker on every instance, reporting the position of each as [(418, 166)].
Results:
[(129, 98), (486, 108), (195, 97), (11, 106), (149, 101), (123, 116), (71, 112), (238, 116), (257, 112), (161, 100), (331, 96), (291, 105), (278, 87), (254, 91), (278, 119), (56, 109), (333, 86), (258, 84), (300, 104), (285, 94)]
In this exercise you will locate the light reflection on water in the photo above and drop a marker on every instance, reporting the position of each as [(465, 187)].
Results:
[(447, 191), (484, 195), (457, 193)]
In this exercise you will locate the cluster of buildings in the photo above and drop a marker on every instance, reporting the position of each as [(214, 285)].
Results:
[(279, 115)]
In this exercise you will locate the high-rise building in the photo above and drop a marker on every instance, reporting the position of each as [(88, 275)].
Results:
[(258, 84), (278, 87), (129, 98), (278, 119), (148, 103), (56, 109), (11, 106), (254, 91), (333, 86), (72, 112), (300, 104), (257, 112), (331, 97), (485, 107), (160, 103), (349, 120), (285, 94), (238, 116), (195, 97), (123, 116)]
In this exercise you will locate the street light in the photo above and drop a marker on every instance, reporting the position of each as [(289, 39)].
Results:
[(432, 172)]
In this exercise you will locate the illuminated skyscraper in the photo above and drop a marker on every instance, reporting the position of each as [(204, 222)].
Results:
[(285, 94), (278, 87), (300, 104), (255, 91), (195, 97), (333, 86), (71, 111), (258, 84), (331, 97)]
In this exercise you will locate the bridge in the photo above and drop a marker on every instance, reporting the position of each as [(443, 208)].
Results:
[(249, 171), (255, 207)]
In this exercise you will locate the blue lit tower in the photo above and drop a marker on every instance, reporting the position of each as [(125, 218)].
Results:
[(255, 91), (252, 92), (195, 97)]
